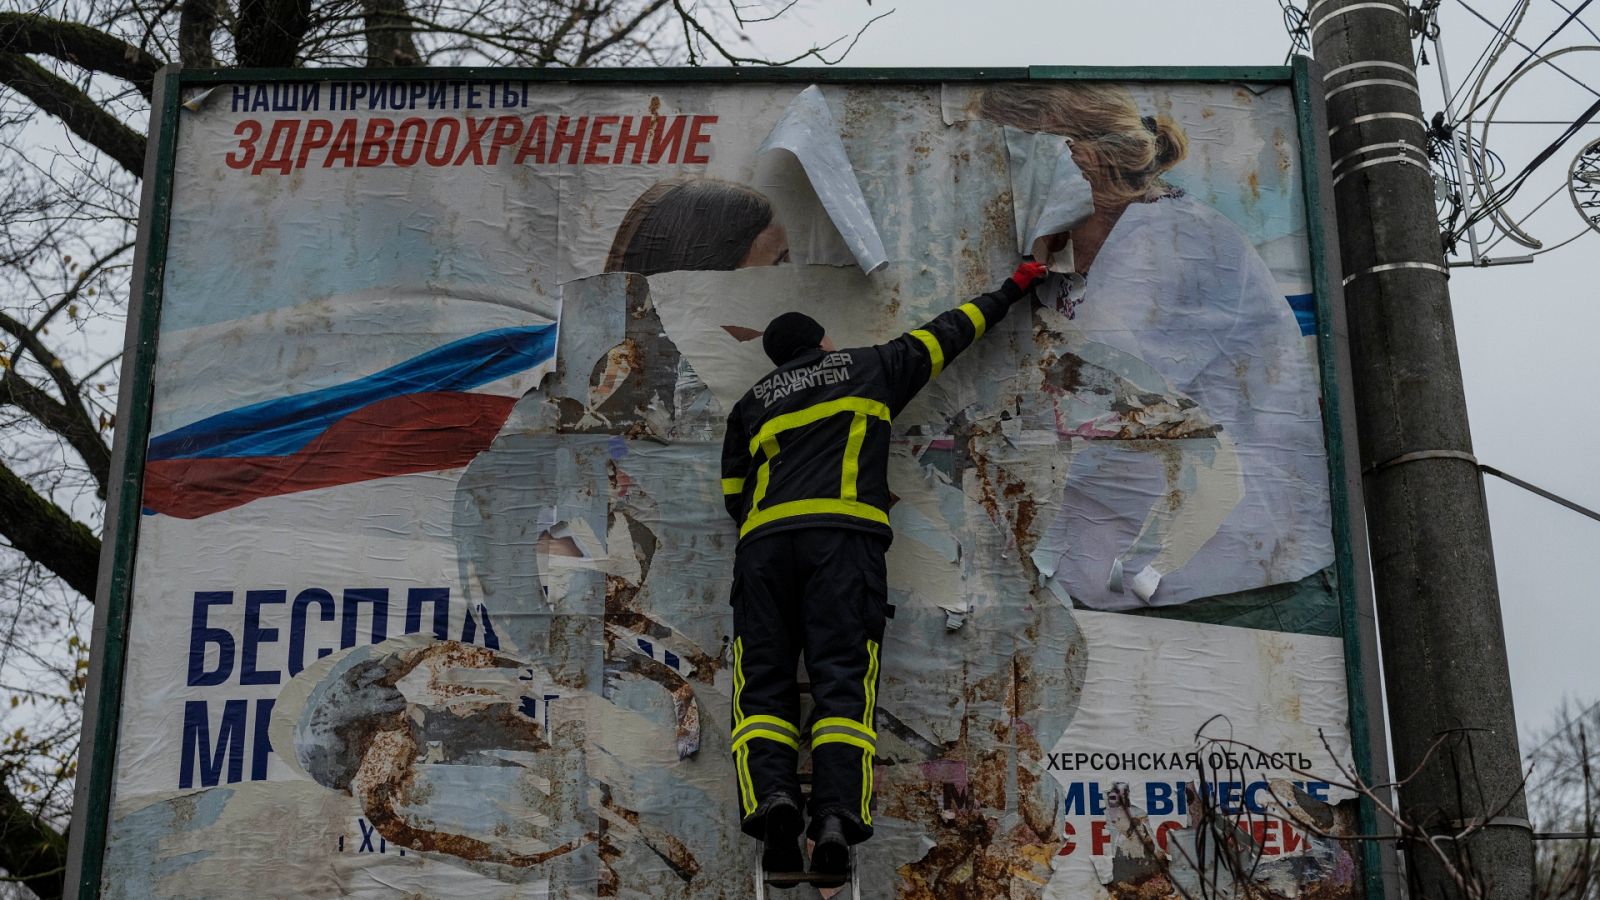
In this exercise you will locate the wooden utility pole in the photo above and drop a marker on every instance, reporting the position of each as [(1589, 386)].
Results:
[(1444, 658)]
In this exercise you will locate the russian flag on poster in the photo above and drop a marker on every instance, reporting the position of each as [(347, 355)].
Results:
[(335, 392)]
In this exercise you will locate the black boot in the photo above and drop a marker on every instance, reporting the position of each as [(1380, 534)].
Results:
[(780, 848), (830, 857)]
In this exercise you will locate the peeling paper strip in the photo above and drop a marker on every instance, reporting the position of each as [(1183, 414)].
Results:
[(807, 131), (1146, 582), (1049, 194)]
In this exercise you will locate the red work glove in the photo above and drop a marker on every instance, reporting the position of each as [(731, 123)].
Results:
[(1028, 274)]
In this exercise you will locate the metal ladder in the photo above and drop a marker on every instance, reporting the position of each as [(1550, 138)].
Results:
[(791, 879), (794, 879)]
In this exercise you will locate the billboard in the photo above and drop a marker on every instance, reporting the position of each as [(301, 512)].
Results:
[(423, 586)]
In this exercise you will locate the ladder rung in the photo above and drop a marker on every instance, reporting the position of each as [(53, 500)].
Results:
[(790, 879)]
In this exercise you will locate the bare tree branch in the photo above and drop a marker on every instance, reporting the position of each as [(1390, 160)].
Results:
[(70, 422), (82, 46), (45, 534), (33, 852), (83, 115), (693, 28), (270, 31), (66, 417), (619, 34), (197, 26), (389, 34)]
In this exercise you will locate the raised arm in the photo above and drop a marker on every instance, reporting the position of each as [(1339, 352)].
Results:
[(918, 356)]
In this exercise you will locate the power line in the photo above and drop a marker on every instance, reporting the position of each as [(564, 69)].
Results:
[(1569, 76), (1503, 195), (1294, 22), (1580, 21), (1561, 729), (1571, 16), (1557, 732), (1502, 31)]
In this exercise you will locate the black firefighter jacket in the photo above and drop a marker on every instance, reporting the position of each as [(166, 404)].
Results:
[(808, 445)]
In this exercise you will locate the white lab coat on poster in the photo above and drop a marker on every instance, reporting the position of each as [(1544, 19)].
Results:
[(1179, 287)]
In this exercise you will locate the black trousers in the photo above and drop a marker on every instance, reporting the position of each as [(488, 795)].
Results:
[(820, 592)]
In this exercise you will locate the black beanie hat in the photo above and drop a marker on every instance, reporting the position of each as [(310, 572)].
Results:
[(789, 335)]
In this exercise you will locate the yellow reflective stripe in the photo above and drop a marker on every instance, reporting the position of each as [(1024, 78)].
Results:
[(814, 507), (839, 737), (747, 791), (848, 724), (738, 679), (935, 352), (852, 457), (732, 486), (762, 732), (764, 474), (870, 683), (976, 315), (866, 788), (779, 424), (741, 754), (773, 721)]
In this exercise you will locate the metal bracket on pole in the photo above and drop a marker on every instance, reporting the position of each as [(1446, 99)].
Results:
[(1390, 267), (1417, 455), (1484, 262), (1459, 825)]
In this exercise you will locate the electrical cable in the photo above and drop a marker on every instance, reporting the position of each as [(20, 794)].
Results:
[(1561, 729), (1531, 53), (1488, 205), (1502, 195), (1580, 21), (1507, 36), (1294, 22), (1502, 31), (1568, 75)]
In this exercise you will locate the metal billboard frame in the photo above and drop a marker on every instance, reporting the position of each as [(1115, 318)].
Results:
[(97, 756)]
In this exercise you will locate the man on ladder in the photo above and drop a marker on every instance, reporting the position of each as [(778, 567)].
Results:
[(805, 478)]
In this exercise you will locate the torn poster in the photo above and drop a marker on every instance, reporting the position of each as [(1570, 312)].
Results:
[(1049, 194), (430, 595), (807, 131)]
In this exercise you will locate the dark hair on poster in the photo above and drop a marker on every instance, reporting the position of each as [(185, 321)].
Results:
[(689, 224)]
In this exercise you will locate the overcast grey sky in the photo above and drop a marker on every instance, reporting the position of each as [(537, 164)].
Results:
[(1526, 332)]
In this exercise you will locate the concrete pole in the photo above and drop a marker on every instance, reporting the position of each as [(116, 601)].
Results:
[(1444, 658)]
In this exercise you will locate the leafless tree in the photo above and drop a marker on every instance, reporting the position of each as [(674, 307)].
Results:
[(1222, 861), (1563, 802), (75, 85)]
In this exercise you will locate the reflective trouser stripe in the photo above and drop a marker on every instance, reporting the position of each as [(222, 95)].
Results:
[(869, 684), (839, 730), (741, 753), (769, 728), (870, 687), (750, 728), (866, 789), (843, 731)]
